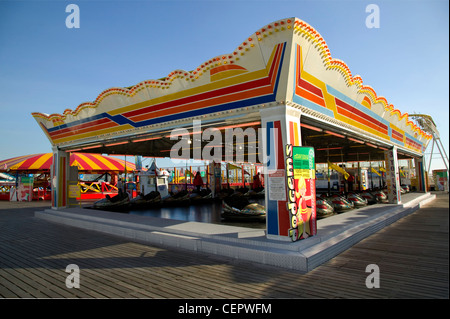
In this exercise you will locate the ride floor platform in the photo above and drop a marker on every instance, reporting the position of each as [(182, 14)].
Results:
[(335, 234)]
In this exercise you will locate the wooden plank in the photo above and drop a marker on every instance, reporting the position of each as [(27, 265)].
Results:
[(412, 254)]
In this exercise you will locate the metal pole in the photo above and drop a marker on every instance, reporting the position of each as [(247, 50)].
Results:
[(371, 173), (431, 156), (440, 151), (443, 149), (359, 172), (328, 160)]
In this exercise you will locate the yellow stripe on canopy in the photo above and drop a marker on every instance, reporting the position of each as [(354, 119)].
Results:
[(91, 163), (40, 161)]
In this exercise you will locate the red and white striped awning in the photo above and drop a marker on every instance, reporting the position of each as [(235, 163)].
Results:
[(84, 161)]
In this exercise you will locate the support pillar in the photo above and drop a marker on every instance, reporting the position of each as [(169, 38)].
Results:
[(60, 176), (420, 174), (392, 176), (281, 127)]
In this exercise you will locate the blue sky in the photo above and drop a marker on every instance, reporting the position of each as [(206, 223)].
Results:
[(47, 67)]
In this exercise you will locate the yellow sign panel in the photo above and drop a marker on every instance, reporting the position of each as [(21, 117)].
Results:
[(74, 190)]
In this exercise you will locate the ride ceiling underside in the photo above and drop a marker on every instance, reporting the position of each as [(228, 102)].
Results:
[(330, 145), (285, 63)]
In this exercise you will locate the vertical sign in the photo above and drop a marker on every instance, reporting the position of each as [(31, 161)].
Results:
[(392, 176), (25, 189), (301, 184), (440, 179), (73, 189)]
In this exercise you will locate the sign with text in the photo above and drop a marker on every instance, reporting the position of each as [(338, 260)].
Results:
[(277, 185), (74, 190), (301, 190)]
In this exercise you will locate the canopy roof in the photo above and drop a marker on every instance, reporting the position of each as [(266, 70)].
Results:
[(286, 62), (84, 161)]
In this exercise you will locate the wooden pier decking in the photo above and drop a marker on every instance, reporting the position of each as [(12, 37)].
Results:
[(412, 256)]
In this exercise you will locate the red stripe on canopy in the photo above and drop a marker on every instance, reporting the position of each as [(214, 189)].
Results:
[(84, 161)]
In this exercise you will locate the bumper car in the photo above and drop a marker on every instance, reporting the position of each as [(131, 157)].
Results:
[(178, 199), (340, 203), (256, 192), (323, 208), (238, 207), (357, 200), (119, 202), (371, 198), (381, 196), (203, 196), (147, 200), (225, 192), (405, 188)]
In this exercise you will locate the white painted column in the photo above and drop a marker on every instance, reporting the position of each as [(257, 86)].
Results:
[(392, 176)]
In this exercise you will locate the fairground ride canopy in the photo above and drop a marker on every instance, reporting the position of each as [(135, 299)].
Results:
[(85, 162), (286, 62)]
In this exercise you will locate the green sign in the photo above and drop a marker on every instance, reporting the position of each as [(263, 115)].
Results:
[(26, 180), (303, 162)]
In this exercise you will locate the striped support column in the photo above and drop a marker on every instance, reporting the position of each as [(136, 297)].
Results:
[(281, 126), (60, 171)]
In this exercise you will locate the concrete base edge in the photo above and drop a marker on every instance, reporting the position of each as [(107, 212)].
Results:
[(241, 243)]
